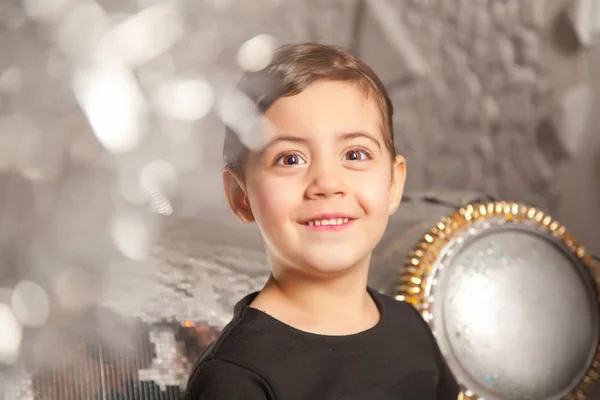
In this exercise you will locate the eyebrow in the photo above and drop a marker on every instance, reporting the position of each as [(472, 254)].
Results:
[(286, 138), (343, 136), (354, 135)]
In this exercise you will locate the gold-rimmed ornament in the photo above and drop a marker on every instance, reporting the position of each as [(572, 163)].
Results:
[(512, 299)]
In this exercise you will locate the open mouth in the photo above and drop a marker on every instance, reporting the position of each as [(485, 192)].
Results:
[(329, 222)]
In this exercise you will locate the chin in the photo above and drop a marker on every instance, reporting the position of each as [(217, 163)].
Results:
[(325, 265)]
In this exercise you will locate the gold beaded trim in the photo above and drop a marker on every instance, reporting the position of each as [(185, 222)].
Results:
[(418, 267)]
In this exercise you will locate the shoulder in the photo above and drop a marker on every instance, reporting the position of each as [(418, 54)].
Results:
[(219, 365), (231, 358), (232, 341), (399, 309), (218, 379), (402, 316)]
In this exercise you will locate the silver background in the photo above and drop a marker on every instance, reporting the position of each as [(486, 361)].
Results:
[(478, 88)]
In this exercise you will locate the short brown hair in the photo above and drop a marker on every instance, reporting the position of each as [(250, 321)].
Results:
[(292, 69)]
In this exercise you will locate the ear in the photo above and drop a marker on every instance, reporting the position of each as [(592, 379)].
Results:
[(397, 186), (235, 192)]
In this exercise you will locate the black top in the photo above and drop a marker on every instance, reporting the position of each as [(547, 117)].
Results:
[(258, 357)]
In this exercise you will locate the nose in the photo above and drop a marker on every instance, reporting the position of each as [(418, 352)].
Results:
[(326, 180)]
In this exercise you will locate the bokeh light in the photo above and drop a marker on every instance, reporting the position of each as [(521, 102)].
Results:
[(114, 105), (256, 53), (10, 335), (184, 99), (131, 235), (30, 303)]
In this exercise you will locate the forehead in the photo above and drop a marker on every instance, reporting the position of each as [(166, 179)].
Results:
[(325, 107)]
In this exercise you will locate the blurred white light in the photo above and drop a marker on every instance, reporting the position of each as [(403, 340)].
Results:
[(256, 53), (11, 80), (585, 20), (238, 112), (10, 335), (48, 11), (82, 28), (30, 303), (131, 235), (114, 106), (184, 99), (75, 288), (147, 34)]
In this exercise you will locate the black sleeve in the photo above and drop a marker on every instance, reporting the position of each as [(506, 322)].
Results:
[(220, 380), (447, 387)]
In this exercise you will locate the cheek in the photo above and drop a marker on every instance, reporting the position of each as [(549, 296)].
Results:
[(271, 200), (375, 194)]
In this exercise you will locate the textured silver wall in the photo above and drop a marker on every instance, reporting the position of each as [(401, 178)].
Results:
[(470, 83)]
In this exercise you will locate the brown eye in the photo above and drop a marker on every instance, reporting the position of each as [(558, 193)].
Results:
[(290, 160), (357, 155)]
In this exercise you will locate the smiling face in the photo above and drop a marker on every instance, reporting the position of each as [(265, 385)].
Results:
[(323, 188)]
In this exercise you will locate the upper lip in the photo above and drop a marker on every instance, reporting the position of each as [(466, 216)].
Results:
[(327, 216)]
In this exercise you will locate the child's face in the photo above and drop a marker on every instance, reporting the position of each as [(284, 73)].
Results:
[(323, 188)]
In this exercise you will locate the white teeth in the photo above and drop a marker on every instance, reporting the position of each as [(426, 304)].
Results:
[(326, 222)]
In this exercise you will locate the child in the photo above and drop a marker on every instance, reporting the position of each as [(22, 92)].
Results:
[(321, 191)]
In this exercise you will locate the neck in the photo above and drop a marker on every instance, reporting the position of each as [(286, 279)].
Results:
[(320, 303)]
